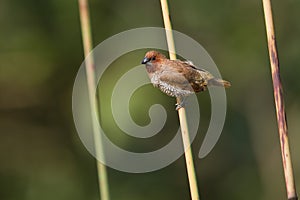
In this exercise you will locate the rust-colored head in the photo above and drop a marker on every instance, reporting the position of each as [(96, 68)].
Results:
[(153, 56)]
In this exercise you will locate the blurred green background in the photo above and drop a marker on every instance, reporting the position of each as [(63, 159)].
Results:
[(41, 154)]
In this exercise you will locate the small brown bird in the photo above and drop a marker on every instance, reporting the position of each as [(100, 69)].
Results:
[(178, 78)]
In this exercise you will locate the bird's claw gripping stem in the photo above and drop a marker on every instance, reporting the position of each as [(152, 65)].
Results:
[(181, 104)]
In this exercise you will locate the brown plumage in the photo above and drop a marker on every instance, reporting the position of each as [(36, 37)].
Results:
[(178, 78)]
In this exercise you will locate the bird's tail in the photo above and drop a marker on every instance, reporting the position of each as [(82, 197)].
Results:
[(219, 82)]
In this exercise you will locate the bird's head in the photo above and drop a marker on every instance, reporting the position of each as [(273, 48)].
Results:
[(152, 56)]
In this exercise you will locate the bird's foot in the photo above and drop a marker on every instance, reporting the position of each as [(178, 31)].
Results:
[(178, 106), (181, 104)]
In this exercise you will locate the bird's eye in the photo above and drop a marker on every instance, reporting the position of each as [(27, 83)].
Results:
[(153, 58)]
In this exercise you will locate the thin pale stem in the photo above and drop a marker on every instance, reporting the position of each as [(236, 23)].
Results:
[(279, 103), (90, 73), (181, 112)]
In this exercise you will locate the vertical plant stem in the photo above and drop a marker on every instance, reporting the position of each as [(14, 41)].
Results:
[(90, 73), (279, 103), (181, 112)]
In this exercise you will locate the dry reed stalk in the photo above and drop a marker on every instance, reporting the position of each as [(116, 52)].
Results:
[(279, 103), (181, 112), (90, 73)]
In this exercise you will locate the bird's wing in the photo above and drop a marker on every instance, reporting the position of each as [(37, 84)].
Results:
[(175, 79), (198, 78), (186, 75), (190, 64), (205, 78)]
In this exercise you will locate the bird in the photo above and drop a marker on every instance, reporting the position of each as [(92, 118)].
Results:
[(178, 78)]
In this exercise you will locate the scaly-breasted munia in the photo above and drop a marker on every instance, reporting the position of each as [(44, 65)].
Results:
[(178, 78)]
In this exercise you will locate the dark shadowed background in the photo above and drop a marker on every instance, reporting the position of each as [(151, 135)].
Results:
[(41, 154)]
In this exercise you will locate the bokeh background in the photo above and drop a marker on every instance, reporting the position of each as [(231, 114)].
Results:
[(41, 154)]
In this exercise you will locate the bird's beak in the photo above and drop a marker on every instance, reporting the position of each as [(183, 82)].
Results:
[(145, 60)]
